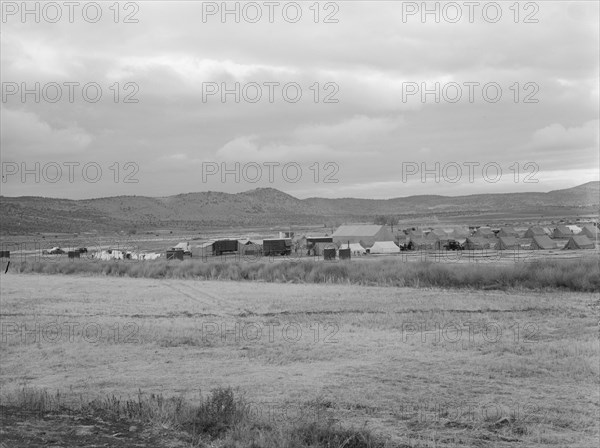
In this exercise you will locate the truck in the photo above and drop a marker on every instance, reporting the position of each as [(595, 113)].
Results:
[(277, 246)]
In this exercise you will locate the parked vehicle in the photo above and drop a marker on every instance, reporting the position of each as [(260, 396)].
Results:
[(53, 251)]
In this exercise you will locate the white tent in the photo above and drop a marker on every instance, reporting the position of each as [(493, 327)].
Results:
[(355, 248), (384, 247), (110, 254)]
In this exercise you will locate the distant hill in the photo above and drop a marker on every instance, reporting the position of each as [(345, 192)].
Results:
[(268, 206)]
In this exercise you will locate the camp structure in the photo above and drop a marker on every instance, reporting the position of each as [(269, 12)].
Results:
[(277, 246), (319, 248), (312, 240), (475, 243), (436, 235), (355, 248), (250, 247), (365, 234), (384, 247), (205, 249), (580, 242), (458, 233), (415, 233), (185, 247), (422, 243), (535, 231), (174, 254), (591, 231), (575, 229), (344, 254), (329, 253), (508, 231), (484, 232), (542, 242), (507, 243), (450, 244), (225, 246), (562, 232)]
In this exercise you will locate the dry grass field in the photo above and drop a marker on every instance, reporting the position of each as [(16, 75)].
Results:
[(414, 367)]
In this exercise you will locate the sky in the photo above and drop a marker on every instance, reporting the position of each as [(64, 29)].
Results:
[(318, 99)]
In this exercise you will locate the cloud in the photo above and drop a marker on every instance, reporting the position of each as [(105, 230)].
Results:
[(559, 137), (247, 149), (25, 134), (368, 54)]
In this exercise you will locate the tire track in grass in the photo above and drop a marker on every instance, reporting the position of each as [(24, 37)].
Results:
[(217, 305)]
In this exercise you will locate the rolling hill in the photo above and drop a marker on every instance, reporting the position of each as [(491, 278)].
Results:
[(267, 206)]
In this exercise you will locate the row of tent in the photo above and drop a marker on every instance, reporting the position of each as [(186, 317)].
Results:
[(562, 231), (111, 254), (538, 242)]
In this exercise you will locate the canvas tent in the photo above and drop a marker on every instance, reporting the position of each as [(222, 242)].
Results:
[(507, 243), (508, 231), (384, 247), (484, 232), (365, 234), (422, 243), (458, 233), (355, 248), (562, 232), (575, 229), (591, 231), (535, 231), (580, 242), (542, 242), (474, 243), (437, 234), (415, 233)]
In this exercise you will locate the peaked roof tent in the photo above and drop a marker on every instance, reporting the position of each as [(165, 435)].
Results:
[(535, 230), (384, 247), (562, 232), (508, 231), (437, 234), (507, 243), (580, 242), (484, 232), (591, 231), (354, 247), (365, 234), (477, 243), (543, 242)]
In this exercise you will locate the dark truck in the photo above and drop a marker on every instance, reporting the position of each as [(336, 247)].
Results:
[(225, 246), (452, 245), (279, 246)]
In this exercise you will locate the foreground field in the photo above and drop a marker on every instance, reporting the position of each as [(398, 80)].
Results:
[(417, 367)]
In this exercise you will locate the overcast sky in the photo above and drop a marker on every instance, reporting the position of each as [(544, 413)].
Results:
[(368, 58)]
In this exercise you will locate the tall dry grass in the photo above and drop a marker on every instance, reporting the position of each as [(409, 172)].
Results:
[(221, 418), (573, 275)]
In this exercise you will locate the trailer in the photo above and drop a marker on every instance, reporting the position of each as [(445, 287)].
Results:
[(278, 246), (224, 246)]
